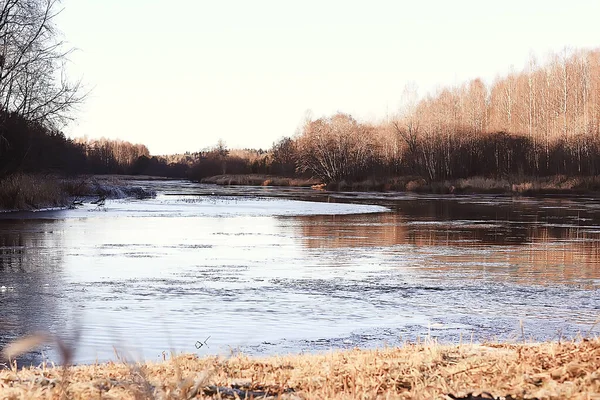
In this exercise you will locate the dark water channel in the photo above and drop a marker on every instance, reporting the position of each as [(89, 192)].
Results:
[(257, 270)]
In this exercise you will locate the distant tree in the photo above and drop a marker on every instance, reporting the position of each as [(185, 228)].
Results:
[(221, 148), (158, 166), (220, 153), (335, 148), (407, 127), (283, 157), (475, 102), (34, 148)]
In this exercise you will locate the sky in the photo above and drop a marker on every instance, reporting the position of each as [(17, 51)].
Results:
[(179, 75)]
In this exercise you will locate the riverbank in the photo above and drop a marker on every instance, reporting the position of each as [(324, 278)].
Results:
[(26, 192), (35, 192), (567, 370), (260, 180), (526, 186)]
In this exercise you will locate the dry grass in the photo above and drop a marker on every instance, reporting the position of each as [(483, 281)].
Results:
[(529, 186), (34, 192), (558, 184), (30, 192), (568, 370), (259, 180)]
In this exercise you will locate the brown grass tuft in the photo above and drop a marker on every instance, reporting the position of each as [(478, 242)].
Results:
[(568, 370), (259, 180), (29, 192)]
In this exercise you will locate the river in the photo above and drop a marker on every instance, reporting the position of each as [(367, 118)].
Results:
[(212, 270)]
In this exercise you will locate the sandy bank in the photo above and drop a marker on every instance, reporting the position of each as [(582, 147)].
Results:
[(569, 370)]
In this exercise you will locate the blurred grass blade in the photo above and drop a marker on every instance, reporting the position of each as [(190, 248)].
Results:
[(25, 345)]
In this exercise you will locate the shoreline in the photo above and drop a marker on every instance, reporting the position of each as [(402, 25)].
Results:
[(565, 370), (30, 192), (259, 180), (521, 186)]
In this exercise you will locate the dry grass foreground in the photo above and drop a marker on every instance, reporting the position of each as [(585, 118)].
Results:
[(568, 370)]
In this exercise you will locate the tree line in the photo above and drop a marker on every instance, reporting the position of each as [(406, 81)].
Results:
[(31, 147), (544, 120), (37, 99), (541, 121)]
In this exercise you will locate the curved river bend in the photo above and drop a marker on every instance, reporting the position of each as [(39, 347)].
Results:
[(260, 271)]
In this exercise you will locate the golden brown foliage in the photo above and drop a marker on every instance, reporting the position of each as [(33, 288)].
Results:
[(112, 155), (29, 192), (259, 180), (542, 121), (546, 371), (335, 148)]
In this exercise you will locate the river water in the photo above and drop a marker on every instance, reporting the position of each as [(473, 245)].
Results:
[(264, 271)]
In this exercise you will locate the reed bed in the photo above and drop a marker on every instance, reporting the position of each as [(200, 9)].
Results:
[(34, 192), (552, 370), (260, 180), (515, 185), (30, 192)]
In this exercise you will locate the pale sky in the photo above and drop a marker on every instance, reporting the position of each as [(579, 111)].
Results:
[(178, 75)]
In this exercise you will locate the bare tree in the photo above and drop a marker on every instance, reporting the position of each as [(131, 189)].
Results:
[(564, 84), (335, 148), (475, 105), (503, 102), (407, 125), (283, 156), (221, 151), (33, 81)]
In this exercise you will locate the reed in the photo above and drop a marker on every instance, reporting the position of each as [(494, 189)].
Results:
[(526, 186), (34, 192), (260, 180), (29, 192)]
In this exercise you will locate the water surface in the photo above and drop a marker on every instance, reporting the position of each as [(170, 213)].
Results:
[(261, 271)]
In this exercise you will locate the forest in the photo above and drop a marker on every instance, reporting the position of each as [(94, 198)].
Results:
[(538, 122), (542, 121)]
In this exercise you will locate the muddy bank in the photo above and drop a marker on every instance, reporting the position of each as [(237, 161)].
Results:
[(551, 370)]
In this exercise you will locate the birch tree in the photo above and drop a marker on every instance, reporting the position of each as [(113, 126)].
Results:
[(335, 148)]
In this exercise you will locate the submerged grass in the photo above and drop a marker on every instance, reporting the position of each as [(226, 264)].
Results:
[(553, 370)]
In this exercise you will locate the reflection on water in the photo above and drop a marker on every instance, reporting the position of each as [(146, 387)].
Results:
[(31, 258), (268, 275), (530, 252)]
